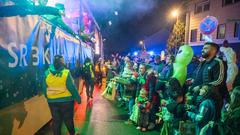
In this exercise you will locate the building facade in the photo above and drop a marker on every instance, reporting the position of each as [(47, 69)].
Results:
[(227, 13)]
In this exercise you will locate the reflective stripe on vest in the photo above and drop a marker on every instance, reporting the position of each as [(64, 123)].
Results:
[(92, 74), (56, 85)]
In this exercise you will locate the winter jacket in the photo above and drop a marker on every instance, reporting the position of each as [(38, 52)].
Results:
[(231, 122), (210, 72), (143, 104), (206, 113)]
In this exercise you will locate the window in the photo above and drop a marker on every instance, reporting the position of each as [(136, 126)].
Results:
[(229, 2), (202, 6), (221, 31), (198, 9), (236, 29), (206, 7), (194, 35), (201, 37)]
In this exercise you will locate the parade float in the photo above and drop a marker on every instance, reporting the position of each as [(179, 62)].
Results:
[(32, 32)]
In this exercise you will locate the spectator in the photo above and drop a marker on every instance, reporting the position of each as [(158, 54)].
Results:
[(192, 66), (157, 66), (231, 120), (212, 71), (144, 106), (206, 111), (231, 59)]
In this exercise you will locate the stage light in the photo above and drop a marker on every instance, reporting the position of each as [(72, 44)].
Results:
[(109, 23), (135, 53), (151, 53), (116, 13)]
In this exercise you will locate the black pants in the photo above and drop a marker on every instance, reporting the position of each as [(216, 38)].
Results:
[(62, 112), (143, 119), (99, 78), (154, 109), (89, 87)]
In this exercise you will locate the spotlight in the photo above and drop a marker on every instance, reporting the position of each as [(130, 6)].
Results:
[(109, 23), (151, 53), (116, 13), (135, 53)]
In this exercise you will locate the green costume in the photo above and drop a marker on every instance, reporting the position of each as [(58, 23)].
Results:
[(183, 58)]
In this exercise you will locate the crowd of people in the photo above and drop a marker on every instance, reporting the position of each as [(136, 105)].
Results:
[(179, 94)]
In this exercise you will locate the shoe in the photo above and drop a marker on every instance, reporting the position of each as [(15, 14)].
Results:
[(143, 129), (128, 122), (151, 126), (138, 128)]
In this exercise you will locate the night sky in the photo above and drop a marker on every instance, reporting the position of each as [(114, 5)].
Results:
[(136, 20)]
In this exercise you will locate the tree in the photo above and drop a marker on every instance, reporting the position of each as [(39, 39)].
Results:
[(176, 38)]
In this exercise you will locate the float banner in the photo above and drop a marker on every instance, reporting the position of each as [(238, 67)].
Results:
[(25, 56)]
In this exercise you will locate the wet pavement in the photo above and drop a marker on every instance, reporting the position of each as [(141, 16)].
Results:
[(99, 117)]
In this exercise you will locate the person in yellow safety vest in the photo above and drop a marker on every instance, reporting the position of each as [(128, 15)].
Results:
[(88, 76), (98, 73), (60, 91)]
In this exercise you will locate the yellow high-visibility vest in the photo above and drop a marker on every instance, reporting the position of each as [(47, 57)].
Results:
[(56, 85), (97, 68), (92, 73), (89, 65)]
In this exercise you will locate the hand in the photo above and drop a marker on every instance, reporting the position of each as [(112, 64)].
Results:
[(159, 109), (211, 124), (160, 93), (158, 120), (227, 106), (163, 102), (187, 107), (150, 71), (203, 131), (196, 89), (190, 114)]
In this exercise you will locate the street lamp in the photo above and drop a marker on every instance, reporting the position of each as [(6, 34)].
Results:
[(141, 42), (175, 13)]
